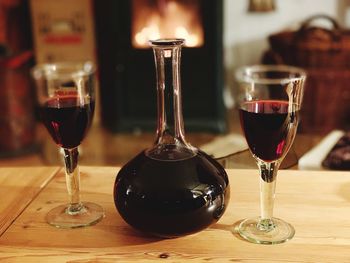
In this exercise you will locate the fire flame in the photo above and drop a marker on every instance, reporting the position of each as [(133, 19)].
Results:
[(170, 20)]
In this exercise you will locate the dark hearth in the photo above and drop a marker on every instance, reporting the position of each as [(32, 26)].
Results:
[(126, 66)]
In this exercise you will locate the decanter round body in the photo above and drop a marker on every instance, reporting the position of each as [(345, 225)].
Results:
[(171, 189)]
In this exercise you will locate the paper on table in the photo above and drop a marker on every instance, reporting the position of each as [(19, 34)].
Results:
[(226, 145), (312, 160)]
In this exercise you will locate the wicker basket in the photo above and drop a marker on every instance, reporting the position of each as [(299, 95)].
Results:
[(325, 54)]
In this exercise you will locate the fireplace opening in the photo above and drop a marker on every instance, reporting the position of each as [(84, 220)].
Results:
[(166, 19), (126, 63)]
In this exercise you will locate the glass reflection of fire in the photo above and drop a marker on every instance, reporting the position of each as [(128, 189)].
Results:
[(154, 19)]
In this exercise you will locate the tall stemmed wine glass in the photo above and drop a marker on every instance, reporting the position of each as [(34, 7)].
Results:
[(269, 100), (66, 98)]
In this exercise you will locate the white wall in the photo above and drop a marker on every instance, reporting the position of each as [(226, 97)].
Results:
[(245, 34)]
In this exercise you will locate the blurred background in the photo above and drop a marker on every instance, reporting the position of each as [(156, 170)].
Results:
[(221, 36)]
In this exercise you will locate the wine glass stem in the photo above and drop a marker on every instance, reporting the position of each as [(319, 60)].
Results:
[(268, 174), (73, 180)]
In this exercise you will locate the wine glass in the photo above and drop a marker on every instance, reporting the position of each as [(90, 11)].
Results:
[(269, 99), (66, 98)]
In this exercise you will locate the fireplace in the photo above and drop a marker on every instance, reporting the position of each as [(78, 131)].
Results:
[(126, 64)]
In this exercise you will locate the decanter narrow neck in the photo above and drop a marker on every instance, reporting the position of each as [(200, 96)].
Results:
[(170, 127)]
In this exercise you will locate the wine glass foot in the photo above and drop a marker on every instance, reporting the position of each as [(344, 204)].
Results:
[(90, 214), (279, 233)]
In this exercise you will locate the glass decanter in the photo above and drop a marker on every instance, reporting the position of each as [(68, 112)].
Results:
[(171, 189)]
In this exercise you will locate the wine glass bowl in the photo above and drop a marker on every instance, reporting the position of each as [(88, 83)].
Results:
[(66, 102), (269, 100)]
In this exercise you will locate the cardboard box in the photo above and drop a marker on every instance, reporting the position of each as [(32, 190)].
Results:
[(63, 30)]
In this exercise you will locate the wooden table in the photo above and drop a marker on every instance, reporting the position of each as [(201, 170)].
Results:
[(317, 204)]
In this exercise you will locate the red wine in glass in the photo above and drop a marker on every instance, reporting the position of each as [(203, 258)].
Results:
[(269, 122), (269, 127), (66, 96), (67, 118)]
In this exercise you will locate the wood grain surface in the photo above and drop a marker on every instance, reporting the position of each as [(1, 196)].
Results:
[(18, 187), (317, 204)]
